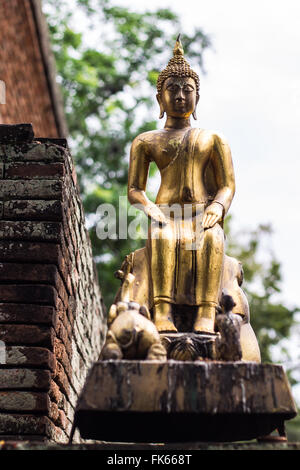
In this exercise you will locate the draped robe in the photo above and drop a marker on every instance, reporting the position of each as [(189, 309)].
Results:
[(186, 262)]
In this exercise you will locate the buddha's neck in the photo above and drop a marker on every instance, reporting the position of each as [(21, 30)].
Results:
[(177, 123)]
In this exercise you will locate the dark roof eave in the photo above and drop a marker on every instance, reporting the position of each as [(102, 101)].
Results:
[(49, 67)]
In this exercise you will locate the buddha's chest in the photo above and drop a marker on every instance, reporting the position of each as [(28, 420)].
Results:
[(177, 152)]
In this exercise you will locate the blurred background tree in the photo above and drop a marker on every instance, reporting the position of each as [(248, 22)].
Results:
[(108, 59)]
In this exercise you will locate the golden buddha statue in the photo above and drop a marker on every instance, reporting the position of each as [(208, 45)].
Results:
[(183, 265)]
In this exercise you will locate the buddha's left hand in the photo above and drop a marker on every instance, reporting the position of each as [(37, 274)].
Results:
[(212, 214)]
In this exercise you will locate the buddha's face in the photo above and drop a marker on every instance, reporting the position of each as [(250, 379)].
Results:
[(178, 97)]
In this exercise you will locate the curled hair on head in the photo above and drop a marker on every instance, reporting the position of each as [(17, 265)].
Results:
[(177, 67)]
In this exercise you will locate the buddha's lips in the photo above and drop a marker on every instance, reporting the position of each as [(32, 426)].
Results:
[(180, 105)]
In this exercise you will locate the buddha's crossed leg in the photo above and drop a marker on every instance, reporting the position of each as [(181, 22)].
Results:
[(208, 278), (181, 276)]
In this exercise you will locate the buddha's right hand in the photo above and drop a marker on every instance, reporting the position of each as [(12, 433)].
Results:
[(155, 214)]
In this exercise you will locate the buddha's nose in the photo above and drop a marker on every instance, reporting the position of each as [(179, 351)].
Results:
[(179, 95)]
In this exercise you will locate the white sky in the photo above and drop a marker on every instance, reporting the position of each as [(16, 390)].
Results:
[(251, 94)]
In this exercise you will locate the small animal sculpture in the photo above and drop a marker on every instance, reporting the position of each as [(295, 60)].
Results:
[(132, 334), (228, 344), (181, 348)]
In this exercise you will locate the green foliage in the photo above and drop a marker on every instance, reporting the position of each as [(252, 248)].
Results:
[(108, 86)]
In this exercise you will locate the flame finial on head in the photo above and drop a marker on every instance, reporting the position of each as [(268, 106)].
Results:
[(178, 49), (178, 67)]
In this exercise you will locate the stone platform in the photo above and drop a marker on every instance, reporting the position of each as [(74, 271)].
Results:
[(173, 401)]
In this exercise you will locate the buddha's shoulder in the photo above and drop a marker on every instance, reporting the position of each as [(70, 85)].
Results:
[(145, 141), (212, 136), (148, 136)]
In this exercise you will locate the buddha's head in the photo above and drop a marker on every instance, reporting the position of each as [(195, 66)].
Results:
[(178, 87)]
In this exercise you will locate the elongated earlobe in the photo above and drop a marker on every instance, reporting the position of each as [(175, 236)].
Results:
[(162, 112), (194, 114), (161, 108)]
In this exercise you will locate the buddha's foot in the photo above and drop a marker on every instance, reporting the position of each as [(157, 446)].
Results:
[(205, 320), (204, 325), (165, 326), (163, 318)]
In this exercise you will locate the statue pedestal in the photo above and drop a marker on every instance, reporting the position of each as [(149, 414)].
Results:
[(173, 401)]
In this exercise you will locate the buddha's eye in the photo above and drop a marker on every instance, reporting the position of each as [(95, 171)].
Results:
[(188, 88), (172, 88)]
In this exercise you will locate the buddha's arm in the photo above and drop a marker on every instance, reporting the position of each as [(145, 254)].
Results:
[(224, 175), (137, 180), (223, 168)]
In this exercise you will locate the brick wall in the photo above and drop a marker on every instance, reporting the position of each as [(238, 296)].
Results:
[(28, 97), (51, 313)]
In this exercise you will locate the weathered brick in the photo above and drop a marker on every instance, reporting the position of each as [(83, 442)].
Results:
[(61, 142), (24, 424), (32, 210), (62, 379), (33, 152), (31, 189), (56, 434), (42, 273), (56, 395), (83, 345), (28, 293), (69, 412), (21, 170), (60, 351), (61, 289), (64, 335), (24, 379), (41, 252), (27, 313), (60, 280), (27, 335), (29, 252), (1, 170), (26, 230), (71, 402), (49, 274), (63, 317), (57, 416), (24, 401), (27, 356), (69, 244), (15, 133), (69, 391), (74, 278), (62, 355), (62, 401)]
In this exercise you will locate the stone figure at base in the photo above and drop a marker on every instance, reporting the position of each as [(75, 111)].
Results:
[(132, 335)]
